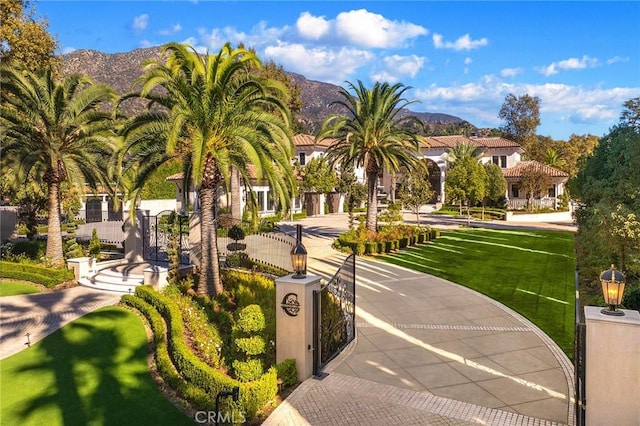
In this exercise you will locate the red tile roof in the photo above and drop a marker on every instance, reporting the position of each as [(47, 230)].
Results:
[(526, 166), (310, 141), (452, 141)]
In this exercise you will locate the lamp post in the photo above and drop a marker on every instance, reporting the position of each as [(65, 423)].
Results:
[(299, 256), (234, 394), (612, 282)]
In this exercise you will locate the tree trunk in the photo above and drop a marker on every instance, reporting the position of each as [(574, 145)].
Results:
[(392, 190), (210, 282), (372, 201), (236, 211), (54, 233)]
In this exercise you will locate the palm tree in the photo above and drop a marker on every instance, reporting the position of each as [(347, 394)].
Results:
[(213, 114), (374, 134), (463, 150), (57, 132)]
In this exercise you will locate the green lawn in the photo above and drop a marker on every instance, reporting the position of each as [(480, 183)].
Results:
[(92, 371), (12, 288), (532, 272)]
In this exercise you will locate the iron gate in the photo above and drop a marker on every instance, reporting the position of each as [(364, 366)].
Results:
[(579, 362), (158, 231), (334, 310)]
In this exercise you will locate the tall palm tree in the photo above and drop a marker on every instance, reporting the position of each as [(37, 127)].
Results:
[(213, 114), (373, 134), (56, 131)]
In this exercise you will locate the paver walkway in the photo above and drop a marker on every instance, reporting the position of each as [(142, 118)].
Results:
[(429, 351), (41, 314)]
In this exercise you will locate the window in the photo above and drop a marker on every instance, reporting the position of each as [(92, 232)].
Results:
[(515, 191), (303, 159), (552, 192), (500, 160)]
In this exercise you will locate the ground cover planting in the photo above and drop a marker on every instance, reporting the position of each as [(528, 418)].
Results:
[(531, 272), (92, 371)]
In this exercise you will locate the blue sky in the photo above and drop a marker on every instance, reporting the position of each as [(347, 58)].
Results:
[(582, 59)]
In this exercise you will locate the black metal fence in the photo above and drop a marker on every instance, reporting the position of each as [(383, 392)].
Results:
[(236, 239), (579, 361), (334, 310), (156, 234)]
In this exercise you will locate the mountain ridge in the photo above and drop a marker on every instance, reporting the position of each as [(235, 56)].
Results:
[(120, 70)]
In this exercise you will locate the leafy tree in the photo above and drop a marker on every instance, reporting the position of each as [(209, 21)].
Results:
[(533, 182), (630, 116), (157, 187), (521, 115), (496, 186), (372, 135), (55, 132), (415, 191), (608, 190), (212, 114), (24, 39), (466, 182), (318, 176), (575, 151)]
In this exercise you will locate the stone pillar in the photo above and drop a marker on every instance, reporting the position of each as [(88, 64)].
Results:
[(612, 368), (134, 237), (294, 321), (82, 266)]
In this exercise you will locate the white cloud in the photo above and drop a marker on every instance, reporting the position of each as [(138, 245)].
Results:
[(462, 43), (467, 60), (510, 72), (324, 64), (68, 49), (366, 29), (617, 59), (397, 67), (404, 65), (140, 22), (567, 65), (176, 28), (480, 102), (312, 27)]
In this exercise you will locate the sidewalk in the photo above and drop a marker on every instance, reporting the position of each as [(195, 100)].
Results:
[(43, 313), (429, 351)]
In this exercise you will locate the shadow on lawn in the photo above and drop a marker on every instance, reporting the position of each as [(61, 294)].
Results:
[(99, 375)]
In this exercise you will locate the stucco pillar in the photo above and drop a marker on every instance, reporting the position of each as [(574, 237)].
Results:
[(294, 321), (612, 368)]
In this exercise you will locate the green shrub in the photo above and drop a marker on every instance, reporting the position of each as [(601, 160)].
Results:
[(371, 248), (248, 370), (360, 249), (94, 245), (31, 249), (253, 395), (249, 343), (435, 233), (251, 319), (46, 276), (236, 233), (287, 372), (196, 396), (631, 298)]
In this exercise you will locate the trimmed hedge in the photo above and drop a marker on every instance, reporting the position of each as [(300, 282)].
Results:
[(49, 277), (253, 395), (167, 370)]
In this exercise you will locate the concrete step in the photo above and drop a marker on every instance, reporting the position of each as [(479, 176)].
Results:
[(116, 288)]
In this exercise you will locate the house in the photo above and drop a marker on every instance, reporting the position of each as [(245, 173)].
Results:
[(497, 150), (434, 150)]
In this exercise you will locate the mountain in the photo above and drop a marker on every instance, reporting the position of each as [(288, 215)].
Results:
[(120, 70)]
